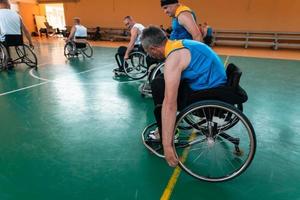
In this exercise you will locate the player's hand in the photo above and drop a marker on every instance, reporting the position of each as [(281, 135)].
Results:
[(31, 46), (170, 156)]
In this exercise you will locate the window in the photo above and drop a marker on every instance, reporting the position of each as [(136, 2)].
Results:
[(55, 15)]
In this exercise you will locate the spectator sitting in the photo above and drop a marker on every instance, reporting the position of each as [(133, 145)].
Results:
[(208, 34)]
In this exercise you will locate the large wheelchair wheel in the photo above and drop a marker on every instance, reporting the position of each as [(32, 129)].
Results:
[(3, 57), (69, 50), (136, 66), (27, 56), (159, 69), (87, 51), (216, 148)]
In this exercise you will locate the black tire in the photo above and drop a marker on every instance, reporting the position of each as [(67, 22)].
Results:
[(88, 50), (3, 57), (69, 50), (211, 151), (136, 66), (156, 71), (27, 56)]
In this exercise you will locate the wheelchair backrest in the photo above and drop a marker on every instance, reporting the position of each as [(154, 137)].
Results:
[(233, 75)]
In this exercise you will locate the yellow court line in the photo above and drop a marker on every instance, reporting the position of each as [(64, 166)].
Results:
[(226, 61), (173, 180)]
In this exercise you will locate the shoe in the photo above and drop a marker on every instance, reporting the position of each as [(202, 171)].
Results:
[(154, 135), (10, 65), (118, 70), (147, 87), (129, 69)]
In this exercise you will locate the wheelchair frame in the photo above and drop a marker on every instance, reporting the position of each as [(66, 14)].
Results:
[(25, 54), (135, 67), (71, 50), (213, 140)]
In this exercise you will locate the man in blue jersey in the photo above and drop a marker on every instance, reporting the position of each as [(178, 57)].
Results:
[(184, 24), (190, 66)]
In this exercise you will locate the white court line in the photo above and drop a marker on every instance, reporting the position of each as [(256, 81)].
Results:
[(59, 80), (24, 88)]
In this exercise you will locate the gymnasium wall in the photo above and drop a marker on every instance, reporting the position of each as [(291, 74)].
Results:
[(259, 15), (27, 12)]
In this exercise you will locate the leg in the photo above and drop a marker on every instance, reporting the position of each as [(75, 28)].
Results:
[(121, 54), (10, 63), (158, 91)]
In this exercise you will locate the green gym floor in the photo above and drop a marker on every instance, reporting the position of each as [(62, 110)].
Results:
[(72, 131)]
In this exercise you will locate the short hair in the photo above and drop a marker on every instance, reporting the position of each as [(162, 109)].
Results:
[(128, 17), (167, 2), (153, 35), (77, 20)]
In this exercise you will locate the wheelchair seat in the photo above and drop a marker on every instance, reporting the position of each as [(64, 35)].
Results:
[(13, 40), (80, 45), (231, 93)]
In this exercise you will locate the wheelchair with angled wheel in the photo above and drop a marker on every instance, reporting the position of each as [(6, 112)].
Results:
[(23, 53), (214, 141), (136, 66), (80, 47), (153, 72)]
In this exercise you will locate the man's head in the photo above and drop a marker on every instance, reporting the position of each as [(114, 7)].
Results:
[(169, 7), (4, 4), (129, 22), (153, 41), (76, 20)]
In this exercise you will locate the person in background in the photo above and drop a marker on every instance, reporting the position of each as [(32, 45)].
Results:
[(184, 24), (207, 34), (78, 32), (135, 40), (11, 28)]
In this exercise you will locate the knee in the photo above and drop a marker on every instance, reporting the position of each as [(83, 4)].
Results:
[(158, 84), (122, 50)]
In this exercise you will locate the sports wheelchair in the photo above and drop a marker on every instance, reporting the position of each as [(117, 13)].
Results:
[(23, 53), (136, 66), (153, 72), (213, 140), (74, 49)]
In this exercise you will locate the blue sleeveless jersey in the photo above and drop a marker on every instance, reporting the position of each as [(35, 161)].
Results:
[(205, 69), (178, 31)]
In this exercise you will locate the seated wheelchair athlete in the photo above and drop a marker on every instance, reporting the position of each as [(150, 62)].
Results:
[(76, 43), (134, 45), (194, 73), (11, 29)]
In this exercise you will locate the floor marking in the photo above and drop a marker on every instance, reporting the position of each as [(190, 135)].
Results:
[(173, 180), (226, 61), (24, 88), (59, 80), (31, 72)]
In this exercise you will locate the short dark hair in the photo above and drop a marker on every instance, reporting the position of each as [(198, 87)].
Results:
[(167, 2), (128, 17), (153, 35)]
